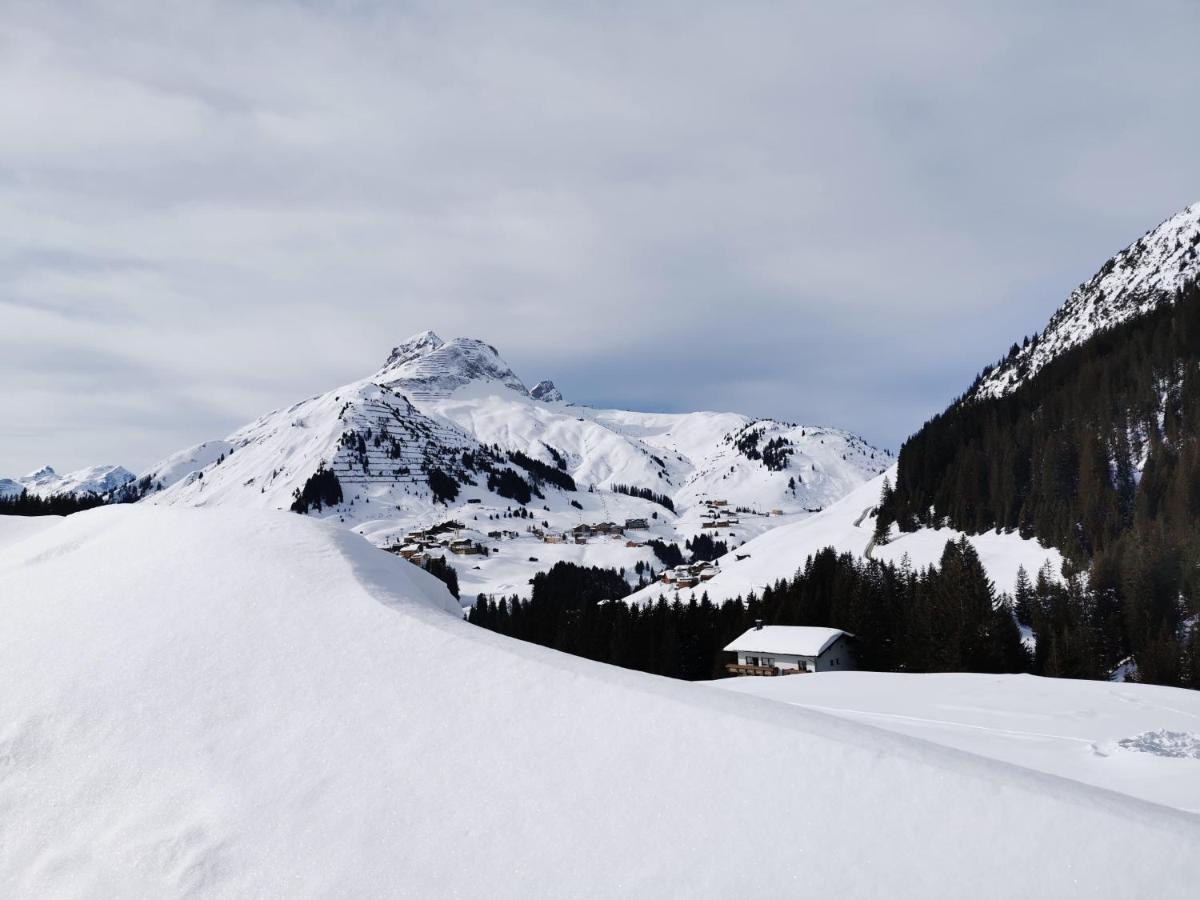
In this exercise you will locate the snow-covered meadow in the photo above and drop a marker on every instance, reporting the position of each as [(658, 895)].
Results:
[(224, 702)]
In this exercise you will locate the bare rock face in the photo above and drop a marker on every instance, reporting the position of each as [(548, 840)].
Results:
[(546, 392)]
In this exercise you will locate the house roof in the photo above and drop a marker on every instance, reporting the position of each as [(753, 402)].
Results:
[(795, 640)]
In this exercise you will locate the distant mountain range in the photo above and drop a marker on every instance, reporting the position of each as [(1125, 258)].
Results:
[(99, 480)]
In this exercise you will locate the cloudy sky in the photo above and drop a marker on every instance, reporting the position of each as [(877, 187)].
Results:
[(829, 213)]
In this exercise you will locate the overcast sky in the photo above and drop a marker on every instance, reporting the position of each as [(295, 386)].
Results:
[(832, 213)]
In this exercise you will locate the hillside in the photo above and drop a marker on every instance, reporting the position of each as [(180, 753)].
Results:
[(848, 526), (247, 703), (1095, 451)]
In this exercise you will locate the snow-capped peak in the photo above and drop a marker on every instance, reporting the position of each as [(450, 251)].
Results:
[(419, 344), (425, 366), (1146, 273), (546, 392), (40, 476)]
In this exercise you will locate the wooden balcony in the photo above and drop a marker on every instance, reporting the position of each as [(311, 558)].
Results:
[(744, 669)]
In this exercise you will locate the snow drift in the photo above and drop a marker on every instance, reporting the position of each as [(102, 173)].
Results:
[(234, 703)]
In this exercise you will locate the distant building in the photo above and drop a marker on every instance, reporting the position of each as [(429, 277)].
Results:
[(791, 649), (631, 524)]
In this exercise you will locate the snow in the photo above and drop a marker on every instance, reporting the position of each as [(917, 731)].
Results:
[(1132, 283), (848, 526), (225, 702), (17, 528), (796, 640), (180, 465), (1140, 740), (91, 480)]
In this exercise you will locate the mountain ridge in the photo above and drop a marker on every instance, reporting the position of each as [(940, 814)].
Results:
[(1148, 272)]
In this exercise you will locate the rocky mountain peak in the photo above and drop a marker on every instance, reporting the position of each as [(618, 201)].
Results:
[(546, 392)]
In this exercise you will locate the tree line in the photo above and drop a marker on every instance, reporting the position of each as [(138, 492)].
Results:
[(943, 618)]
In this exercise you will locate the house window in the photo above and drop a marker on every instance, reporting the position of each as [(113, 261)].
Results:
[(768, 660)]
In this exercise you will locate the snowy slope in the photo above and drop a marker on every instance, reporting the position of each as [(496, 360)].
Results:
[(17, 528), (92, 480), (1142, 740), (183, 463), (848, 527), (1132, 283), (233, 703)]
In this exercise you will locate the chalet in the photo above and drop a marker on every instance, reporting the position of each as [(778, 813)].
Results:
[(777, 512), (581, 539), (640, 524), (690, 575), (791, 649), (551, 538), (408, 551), (465, 548)]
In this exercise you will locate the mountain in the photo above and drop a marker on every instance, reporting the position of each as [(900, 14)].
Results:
[(1149, 272), (446, 431), (44, 482), (546, 392), (1088, 440), (238, 703)]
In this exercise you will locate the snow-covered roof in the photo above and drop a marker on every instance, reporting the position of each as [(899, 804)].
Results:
[(797, 640)]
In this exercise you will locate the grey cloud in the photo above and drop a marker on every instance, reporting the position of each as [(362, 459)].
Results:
[(832, 213)]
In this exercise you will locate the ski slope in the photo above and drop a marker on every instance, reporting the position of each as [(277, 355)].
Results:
[(848, 527), (228, 703)]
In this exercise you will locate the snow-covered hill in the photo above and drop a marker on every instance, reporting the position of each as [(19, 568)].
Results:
[(45, 481), (848, 526), (235, 703), (455, 407), (1135, 281)]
